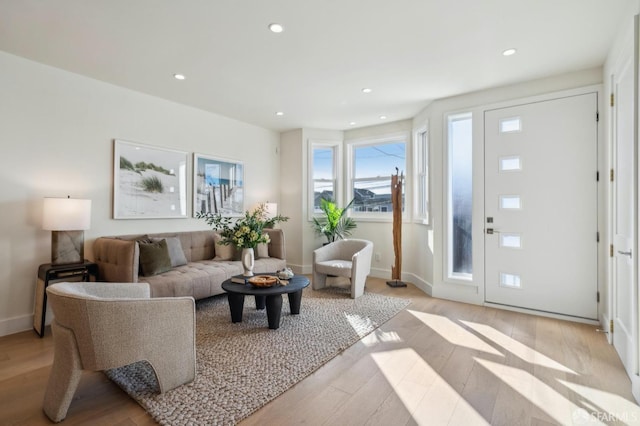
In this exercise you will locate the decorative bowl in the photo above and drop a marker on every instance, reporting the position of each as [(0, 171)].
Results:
[(263, 281)]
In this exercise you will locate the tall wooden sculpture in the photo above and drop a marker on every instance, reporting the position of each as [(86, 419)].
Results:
[(397, 182)]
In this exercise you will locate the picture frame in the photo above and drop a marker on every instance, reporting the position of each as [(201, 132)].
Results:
[(218, 186), (148, 182)]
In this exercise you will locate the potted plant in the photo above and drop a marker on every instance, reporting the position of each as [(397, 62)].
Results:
[(334, 224)]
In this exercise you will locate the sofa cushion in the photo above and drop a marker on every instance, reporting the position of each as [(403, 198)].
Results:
[(262, 250), (176, 255), (223, 252), (154, 257)]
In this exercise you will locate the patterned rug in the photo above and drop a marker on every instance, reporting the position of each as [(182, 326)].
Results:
[(243, 366)]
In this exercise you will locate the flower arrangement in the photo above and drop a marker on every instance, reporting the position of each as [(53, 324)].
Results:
[(244, 232)]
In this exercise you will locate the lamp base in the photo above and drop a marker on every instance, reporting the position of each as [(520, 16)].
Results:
[(396, 283), (67, 247)]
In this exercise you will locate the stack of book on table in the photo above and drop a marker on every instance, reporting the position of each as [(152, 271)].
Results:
[(240, 279)]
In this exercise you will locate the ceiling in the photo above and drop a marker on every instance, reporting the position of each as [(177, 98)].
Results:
[(408, 52)]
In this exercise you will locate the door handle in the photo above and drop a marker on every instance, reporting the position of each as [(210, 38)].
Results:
[(492, 231), (625, 253)]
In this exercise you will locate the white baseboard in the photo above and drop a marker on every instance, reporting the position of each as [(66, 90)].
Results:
[(423, 285), (301, 269), (406, 276), (543, 314), (458, 293), (16, 325), (381, 273), (635, 387), (604, 325)]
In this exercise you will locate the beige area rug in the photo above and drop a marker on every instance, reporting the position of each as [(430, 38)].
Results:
[(243, 366)]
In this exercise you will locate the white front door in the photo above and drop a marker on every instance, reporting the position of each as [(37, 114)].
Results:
[(541, 206), (623, 192)]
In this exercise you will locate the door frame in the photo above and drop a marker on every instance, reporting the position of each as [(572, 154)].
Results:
[(601, 201), (473, 292), (587, 235), (633, 45)]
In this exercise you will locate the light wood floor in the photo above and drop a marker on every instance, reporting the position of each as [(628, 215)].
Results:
[(436, 362)]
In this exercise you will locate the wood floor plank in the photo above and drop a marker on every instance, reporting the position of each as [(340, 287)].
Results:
[(481, 390), (436, 362), (361, 406)]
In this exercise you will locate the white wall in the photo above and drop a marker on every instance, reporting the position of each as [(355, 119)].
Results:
[(291, 195), (300, 237), (56, 134)]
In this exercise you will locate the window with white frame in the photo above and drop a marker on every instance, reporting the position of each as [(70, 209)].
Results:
[(421, 171), (460, 196), (372, 164), (323, 174)]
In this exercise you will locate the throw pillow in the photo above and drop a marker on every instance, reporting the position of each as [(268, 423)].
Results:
[(154, 257), (223, 252), (262, 250), (175, 250)]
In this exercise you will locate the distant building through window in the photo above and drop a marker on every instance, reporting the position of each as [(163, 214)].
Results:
[(373, 164)]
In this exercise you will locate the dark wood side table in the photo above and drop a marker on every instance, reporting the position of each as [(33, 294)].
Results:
[(47, 273)]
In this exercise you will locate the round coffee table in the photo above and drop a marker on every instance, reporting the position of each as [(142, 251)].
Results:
[(269, 296)]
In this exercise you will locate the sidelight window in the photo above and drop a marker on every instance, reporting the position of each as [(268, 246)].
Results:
[(460, 200)]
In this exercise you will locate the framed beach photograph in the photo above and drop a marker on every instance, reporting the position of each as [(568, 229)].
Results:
[(148, 182), (218, 186)]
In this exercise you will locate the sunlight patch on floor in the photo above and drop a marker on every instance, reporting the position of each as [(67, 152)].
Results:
[(407, 373), (520, 350), (605, 406), (454, 333), (361, 325), (465, 414), (423, 392), (379, 336), (534, 390)]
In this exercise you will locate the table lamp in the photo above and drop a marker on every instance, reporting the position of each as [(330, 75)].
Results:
[(271, 209), (67, 218)]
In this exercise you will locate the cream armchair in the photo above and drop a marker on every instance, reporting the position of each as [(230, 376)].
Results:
[(343, 258), (99, 326)]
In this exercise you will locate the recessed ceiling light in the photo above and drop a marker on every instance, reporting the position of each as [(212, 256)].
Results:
[(366, 90), (383, 117), (509, 52), (279, 113), (352, 123), (276, 28), (179, 76)]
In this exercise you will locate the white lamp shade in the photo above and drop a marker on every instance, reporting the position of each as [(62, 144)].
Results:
[(271, 209), (66, 214)]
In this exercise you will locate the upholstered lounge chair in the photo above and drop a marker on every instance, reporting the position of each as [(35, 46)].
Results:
[(343, 258), (99, 326)]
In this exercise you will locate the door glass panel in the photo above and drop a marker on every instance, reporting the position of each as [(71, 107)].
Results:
[(510, 240), (508, 125), (459, 212), (509, 280), (510, 202), (508, 164)]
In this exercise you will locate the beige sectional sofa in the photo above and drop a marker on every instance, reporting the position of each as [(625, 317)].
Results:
[(118, 259)]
